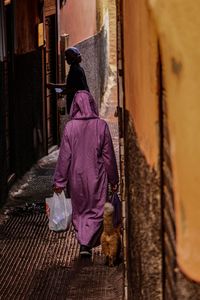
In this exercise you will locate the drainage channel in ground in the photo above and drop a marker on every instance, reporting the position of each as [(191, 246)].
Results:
[(36, 263)]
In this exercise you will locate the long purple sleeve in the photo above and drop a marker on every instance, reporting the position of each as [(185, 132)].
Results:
[(61, 174), (109, 158)]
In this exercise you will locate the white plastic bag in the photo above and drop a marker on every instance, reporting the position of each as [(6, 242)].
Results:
[(59, 212)]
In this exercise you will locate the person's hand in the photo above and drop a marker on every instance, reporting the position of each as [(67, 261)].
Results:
[(114, 188), (58, 190), (49, 85)]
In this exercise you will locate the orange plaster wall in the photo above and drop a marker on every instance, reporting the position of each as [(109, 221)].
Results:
[(78, 19), (178, 26), (140, 61)]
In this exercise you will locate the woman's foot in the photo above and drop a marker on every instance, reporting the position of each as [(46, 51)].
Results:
[(85, 250)]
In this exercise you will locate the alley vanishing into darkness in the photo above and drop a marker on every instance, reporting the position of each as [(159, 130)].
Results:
[(39, 264)]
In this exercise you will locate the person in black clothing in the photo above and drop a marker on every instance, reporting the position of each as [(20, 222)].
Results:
[(76, 79)]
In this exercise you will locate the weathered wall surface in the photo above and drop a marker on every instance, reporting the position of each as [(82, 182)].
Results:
[(78, 19), (112, 32), (144, 222), (101, 9), (142, 152), (95, 63)]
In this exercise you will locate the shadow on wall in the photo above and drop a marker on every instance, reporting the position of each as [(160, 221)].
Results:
[(95, 63)]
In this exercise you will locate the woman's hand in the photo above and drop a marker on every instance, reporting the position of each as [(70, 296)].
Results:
[(58, 190)]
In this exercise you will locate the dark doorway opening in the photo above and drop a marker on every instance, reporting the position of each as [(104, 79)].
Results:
[(10, 115), (51, 76)]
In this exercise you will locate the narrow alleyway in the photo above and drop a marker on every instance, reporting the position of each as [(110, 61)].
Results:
[(38, 264)]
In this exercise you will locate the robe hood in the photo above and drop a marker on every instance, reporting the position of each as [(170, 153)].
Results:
[(83, 106)]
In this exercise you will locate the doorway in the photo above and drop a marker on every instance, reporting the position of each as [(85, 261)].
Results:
[(51, 76), (10, 105)]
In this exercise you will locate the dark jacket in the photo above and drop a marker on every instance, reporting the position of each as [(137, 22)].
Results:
[(76, 81)]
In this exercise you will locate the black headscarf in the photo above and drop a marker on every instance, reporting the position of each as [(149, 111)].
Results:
[(72, 55)]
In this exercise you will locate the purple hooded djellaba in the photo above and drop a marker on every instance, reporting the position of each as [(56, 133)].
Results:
[(86, 163)]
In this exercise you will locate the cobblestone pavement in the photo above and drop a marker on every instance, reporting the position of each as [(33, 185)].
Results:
[(38, 264)]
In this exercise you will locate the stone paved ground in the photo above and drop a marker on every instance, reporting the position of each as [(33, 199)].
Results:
[(38, 264)]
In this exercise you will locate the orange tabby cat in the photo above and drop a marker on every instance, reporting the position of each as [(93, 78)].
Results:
[(110, 238)]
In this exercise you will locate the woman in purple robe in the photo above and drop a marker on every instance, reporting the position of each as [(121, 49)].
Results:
[(86, 163)]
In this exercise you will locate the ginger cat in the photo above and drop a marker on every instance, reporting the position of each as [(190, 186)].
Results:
[(110, 238)]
